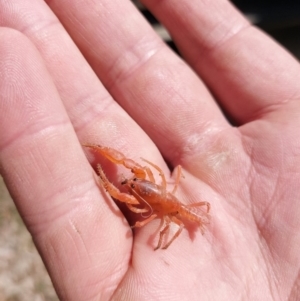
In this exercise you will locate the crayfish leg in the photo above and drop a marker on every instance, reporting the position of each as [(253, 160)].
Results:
[(150, 174), (144, 222), (162, 175), (207, 204), (136, 210), (181, 225), (114, 191), (178, 176), (163, 232)]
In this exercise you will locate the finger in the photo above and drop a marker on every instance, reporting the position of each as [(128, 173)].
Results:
[(96, 117), (51, 182), (249, 73), (150, 82)]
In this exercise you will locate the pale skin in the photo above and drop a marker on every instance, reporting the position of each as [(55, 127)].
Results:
[(127, 90)]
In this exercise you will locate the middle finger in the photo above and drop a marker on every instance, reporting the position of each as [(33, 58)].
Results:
[(150, 82)]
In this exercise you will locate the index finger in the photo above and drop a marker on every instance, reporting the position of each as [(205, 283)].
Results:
[(51, 181), (161, 93)]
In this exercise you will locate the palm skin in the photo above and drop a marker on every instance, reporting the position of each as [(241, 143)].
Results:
[(52, 101)]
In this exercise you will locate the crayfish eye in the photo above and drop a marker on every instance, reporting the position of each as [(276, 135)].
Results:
[(132, 186), (124, 182), (134, 179)]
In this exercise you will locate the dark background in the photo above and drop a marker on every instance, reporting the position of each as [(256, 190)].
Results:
[(280, 19)]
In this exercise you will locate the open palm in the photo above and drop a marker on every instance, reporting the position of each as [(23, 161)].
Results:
[(125, 89)]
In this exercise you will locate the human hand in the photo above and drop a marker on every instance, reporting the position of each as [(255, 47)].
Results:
[(131, 92)]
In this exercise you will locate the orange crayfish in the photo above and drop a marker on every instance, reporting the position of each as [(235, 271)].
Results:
[(142, 189)]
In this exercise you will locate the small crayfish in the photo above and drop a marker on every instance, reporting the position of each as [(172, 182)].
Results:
[(142, 189)]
